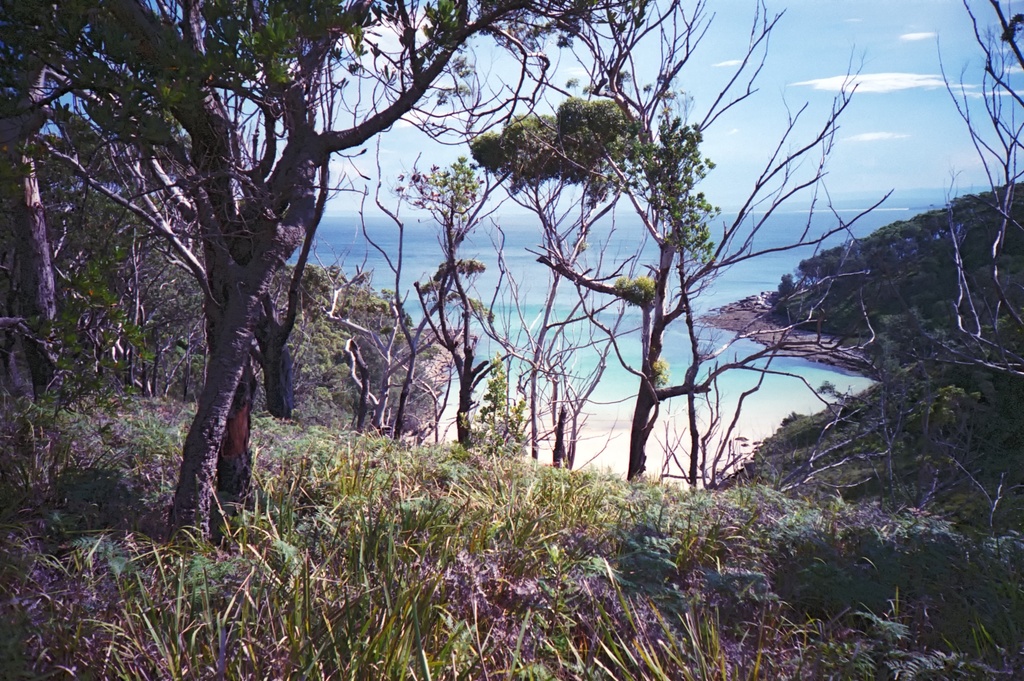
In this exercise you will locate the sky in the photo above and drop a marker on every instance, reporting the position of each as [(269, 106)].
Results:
[(900, 133)]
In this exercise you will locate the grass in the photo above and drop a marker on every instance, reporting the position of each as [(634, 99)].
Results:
[(363, 559)]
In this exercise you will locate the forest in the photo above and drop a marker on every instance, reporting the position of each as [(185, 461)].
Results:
[(940, 426), (222, 457)]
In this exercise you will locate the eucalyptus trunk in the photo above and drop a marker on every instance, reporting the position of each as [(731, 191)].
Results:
[(216, 452), (277, 364), (34, 290), (279, 379), (402, 411), (652, 333), (640, 430), (463, 426), (558, 453)]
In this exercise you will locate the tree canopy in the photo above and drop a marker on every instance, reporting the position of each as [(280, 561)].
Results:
[(573, 146)]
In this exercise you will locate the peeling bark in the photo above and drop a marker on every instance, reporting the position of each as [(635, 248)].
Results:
[(35, 296), (234, 460)]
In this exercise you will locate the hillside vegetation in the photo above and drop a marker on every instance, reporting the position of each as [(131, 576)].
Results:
[(941, 429), (165, 169), (363, 559)]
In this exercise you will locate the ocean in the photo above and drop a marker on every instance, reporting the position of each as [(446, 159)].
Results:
[(345, 241)]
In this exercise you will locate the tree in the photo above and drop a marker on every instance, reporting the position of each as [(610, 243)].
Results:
[(930, 433), (103, 331), (502, 421), (377, 322), (33, 289), (988, 305), (556, 167), (939, 299), (417, 339), (456, 201), (223, 113), (660, 172)]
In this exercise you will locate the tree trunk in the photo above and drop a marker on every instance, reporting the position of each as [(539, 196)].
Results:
[(18, 385), (646, 402), (465, 432), (35, 291), (362, 375), (645, 410), (278, 383), (462, 422), (570, 452), (216, 448), (691, 396), (38, 299), (558, 455), (398, 429), (534, 417), (273, 333), (234, 459), (695, 448)]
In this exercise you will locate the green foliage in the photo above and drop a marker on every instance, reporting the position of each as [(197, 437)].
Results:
[(526, 150), (574, 146), (449, 195), (364, 558), (937, 431), (126, 316), (1013, 27), (589, 133), (908, 267), (660, 372), (501, 422), (468, 267), (145, 69), (325, 393), (639, 291), (666, 172), (787, 286), (94, 329)]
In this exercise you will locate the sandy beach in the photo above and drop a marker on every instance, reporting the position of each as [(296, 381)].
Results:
[(750, 318), (604, 443)]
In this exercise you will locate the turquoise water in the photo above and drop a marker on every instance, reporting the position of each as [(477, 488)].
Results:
[(342, 240)]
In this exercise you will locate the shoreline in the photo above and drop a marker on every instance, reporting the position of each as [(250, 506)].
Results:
[(604, 439), (753, 318)]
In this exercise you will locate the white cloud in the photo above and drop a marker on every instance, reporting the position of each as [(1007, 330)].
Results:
[(417, 118), (876, 82), (910, 37), (876, 137), (729, 62)]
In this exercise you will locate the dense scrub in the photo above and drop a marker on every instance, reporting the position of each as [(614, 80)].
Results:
[(360, 558), (941, 429), (905, 274)]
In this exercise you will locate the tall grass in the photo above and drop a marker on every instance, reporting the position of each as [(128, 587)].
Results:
[(363, 559)]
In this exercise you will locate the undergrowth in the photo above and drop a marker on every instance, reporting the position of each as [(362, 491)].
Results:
[(363, 559)]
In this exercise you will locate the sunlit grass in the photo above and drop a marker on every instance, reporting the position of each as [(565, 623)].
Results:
[(363, 559)]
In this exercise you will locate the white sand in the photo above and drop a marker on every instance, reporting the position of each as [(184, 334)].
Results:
[(604, 440)]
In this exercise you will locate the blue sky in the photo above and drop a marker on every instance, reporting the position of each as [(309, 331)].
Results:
[(901, 132)]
